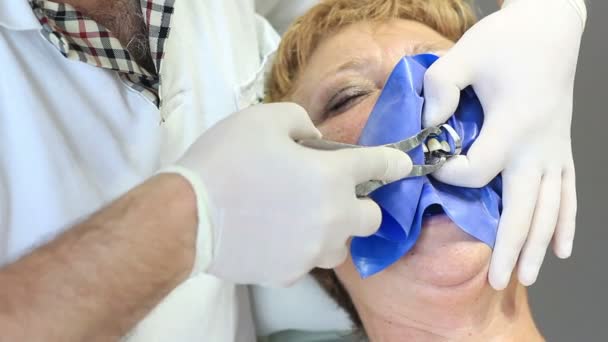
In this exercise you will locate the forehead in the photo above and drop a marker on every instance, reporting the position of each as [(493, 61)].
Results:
[(369, 45)]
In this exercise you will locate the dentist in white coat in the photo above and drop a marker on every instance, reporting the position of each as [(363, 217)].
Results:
[(112, 200)]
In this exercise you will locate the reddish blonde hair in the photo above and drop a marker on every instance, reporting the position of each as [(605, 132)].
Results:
[(451, 18)]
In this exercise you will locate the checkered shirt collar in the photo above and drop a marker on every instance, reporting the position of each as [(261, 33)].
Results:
[(80, 38)]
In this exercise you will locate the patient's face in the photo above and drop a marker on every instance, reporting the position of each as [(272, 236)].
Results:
[(339, 88)]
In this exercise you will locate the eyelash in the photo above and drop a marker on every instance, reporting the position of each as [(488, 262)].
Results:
[(341, 104)]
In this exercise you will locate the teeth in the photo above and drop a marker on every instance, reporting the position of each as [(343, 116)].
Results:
[(434, 145), (446, 147), (425, 149)]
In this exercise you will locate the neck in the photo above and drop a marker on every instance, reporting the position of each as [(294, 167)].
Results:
[(99, 7), (462, 313), (124, 19)]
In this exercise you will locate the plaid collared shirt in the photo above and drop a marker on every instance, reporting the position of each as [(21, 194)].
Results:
[(80, 38)]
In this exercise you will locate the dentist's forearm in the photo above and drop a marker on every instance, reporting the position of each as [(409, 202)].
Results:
[(98, 279)]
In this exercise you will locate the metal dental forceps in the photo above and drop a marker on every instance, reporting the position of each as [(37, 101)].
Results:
[(436, 152)]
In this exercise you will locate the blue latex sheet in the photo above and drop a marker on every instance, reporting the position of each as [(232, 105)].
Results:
[(398, 115)]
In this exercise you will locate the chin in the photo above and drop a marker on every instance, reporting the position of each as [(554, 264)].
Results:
[(445, 256), (446, 266)]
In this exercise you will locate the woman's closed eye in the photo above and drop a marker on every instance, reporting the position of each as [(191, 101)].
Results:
[(345, 99)]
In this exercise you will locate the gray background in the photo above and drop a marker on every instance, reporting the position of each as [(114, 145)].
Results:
[(570, 300)]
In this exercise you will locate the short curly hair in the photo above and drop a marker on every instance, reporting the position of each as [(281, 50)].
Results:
[(451, 18)]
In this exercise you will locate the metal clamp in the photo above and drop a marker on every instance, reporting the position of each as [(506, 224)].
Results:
[(436, 152)]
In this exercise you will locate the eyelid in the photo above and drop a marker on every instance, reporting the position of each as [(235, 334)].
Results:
[(349, 91)]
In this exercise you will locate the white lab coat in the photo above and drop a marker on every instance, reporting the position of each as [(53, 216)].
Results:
[(281, 13), (74, 137)]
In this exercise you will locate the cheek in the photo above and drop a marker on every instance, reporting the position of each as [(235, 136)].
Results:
[(350, 279), (347, 126)]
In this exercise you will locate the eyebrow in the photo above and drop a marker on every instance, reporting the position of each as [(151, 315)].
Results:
[(425, 47), (359, 63)]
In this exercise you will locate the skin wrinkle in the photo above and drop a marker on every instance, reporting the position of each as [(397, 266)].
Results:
[(423, 328), (419, 324)]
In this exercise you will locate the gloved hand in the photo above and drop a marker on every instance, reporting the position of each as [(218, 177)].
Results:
[(521, 63), (271, 209)]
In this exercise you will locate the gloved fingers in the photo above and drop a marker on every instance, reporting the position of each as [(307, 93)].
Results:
[(542, 229), (484, 160), (333, 258), (566, 223), (443, 82), (373, 163), (295, 120), (368, 218), (520, 192)]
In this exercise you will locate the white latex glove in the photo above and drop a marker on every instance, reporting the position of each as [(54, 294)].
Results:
[(270, 209), (521, 62)]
